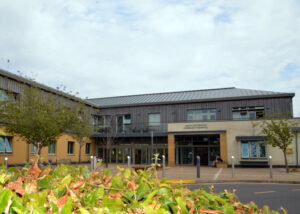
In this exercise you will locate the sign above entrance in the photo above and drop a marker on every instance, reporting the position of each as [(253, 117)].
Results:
[(195, 126)]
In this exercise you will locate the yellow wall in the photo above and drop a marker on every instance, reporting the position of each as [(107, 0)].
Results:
[(20, 150)]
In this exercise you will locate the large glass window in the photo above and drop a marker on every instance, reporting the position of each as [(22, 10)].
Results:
[(102, 122), (253, 149), (5, 145), (70, 148), (201, 114), (247, 113), (154, 119), (52, 148)]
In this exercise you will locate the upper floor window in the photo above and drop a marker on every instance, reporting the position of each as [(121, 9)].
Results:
[(5, 145), (154, 119), (4, 95), (253, 149), (201, 114), (247, 113)]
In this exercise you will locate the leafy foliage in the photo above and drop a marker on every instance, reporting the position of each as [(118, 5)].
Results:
[(37, 116), (66, 189), (278, 130)]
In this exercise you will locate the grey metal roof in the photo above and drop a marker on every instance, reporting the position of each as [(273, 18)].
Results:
[(186, 96)]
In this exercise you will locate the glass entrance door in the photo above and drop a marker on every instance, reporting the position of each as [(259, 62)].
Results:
[(203, 153), (140, 156)]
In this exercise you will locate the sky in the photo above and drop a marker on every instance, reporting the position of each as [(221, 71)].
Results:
[(108, 48)]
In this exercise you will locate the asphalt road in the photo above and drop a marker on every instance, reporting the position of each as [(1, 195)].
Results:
[(273, 195)]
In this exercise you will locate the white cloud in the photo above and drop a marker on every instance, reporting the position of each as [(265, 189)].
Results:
[(106, 48)]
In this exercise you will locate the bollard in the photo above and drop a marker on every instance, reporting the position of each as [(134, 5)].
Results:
[(6, 162), (232, 158), (128, 161), (164, 166), (270, 163), (198, 166), (92, 163), (95, 163)]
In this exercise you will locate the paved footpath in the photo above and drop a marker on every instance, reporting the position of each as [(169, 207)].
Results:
[(217, 175)]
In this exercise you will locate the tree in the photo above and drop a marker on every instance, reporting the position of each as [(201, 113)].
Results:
[(82, 127), (37, 116), (278, 130)]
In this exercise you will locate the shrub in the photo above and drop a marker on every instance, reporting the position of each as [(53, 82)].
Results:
[(67, 189)]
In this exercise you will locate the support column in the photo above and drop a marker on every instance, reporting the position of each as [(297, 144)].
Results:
[(171, 150), (223, 147)]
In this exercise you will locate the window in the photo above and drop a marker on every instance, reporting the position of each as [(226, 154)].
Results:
[(154, 119), (33, 149), (102, 123), (5, 145), (52, 149), (4, 95), (70, 148), (247, 113), (253, 149), (127, 119), (87, 148), (201, 114)]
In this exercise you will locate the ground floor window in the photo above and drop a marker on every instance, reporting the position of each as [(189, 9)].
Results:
[(70, 148), (87, 148), (52, 148), (5, 145), (33, 149), (253, 149)]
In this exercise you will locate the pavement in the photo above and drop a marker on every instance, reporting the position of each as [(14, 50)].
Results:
[(188, 174)]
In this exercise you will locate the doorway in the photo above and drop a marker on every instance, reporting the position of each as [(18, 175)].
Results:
[(203, 153)]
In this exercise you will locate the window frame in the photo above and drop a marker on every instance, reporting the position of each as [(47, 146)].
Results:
[(9, 139), (89, 152), (33, 151), (248, 113), (251, 152), (54, 143), (200, 114), (68, 149), (154, 123)]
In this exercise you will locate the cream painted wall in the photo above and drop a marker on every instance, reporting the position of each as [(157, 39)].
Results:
[(233, 129)]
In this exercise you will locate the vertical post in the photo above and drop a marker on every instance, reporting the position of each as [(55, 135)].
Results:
[(198, 166), (297, 161), (151, 155), (95, 162), (128, 161), (6, 162), (232, 158), (270, 163), (164, 166), (92, 163)]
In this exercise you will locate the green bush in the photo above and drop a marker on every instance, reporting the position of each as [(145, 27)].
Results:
[(67, 189)]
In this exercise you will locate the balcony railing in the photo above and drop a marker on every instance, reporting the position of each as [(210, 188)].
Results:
[(132, 128)]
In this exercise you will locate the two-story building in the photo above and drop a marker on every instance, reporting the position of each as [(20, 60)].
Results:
[(186, 124), (180, 125)]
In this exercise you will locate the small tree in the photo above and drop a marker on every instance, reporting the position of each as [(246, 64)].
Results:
[(37, 116), (82, 127), (278, 130)]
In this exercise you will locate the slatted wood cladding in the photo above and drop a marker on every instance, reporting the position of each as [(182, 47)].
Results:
[(15, 84), (178, 112)]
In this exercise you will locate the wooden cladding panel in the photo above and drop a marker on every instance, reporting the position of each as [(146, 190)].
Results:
[(178, 112)]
